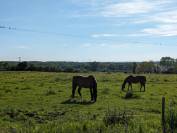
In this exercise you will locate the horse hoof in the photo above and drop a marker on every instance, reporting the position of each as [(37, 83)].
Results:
[(81, 100), (92, 101)]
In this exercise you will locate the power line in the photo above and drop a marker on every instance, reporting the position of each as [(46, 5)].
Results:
[(66, 35), (42, 32)]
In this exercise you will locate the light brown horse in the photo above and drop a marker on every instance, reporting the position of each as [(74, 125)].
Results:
[(137, 79), (85, 82)]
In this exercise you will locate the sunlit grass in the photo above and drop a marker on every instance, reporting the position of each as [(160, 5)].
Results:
[(40, 101)]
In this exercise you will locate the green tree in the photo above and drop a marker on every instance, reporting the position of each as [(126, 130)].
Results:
[(146, 67), (93, 66), (22, 66), (134, 67), (4, 65), (167, 62)]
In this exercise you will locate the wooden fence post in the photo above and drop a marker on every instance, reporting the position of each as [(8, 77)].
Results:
[(163, 115)]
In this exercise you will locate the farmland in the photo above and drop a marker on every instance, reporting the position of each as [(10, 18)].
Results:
[(40, 102)]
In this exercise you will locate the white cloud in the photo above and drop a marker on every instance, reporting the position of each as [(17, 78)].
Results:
[(148, 13), (126, 8), (87, 45), (118, 45), (166, 23), (133, 7), (103, 35), (23, 47), (108, 35), (162, 30), (168, 17)]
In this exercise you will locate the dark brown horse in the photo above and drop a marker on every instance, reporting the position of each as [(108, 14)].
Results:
[(85, 82), (137, 79)]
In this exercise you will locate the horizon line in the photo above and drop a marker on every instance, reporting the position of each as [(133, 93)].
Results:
[(76, 61)]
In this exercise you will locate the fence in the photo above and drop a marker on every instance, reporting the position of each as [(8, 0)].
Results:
[(165, 129), (171, 118)]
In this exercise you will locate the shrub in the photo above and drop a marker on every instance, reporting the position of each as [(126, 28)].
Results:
[(114, 116), (171, 119), (129, 94), (11, 112)]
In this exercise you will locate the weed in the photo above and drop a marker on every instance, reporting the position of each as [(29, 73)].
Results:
[(26, 88), (172, 118), (50, 92), (105, 91), (57, 79), (11, 112), (114, 116), (140, 129), (16, 88), (166, 80), (7, 90)]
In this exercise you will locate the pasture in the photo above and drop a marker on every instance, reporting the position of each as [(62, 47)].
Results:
[(40, 102)]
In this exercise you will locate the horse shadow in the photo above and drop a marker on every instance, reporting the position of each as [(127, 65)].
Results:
[(74, 101), (132, 91)]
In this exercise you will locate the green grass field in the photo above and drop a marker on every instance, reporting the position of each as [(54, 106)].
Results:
[(40, 102)]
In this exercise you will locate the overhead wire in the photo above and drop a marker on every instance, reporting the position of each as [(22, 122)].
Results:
[(41, 32), (63, 34)]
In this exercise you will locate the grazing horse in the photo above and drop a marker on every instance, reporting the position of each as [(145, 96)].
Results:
[(85, 82), (137, 79)]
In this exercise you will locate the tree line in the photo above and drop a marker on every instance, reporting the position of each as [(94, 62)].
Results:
[(165, 65), (65, 66)]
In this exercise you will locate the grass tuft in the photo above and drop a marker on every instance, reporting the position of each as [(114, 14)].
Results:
[(50, 92), (113, 116)]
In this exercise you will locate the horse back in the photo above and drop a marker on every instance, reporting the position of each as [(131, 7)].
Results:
[(141, 78), (82, 81)]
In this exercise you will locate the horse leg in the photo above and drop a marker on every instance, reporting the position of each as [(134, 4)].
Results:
[(91, 93), (131, 86), (79, 91), (141, 87), (73, 91), (144, 87)]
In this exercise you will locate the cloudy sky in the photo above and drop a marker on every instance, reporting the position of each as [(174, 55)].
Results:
[(88, 30)]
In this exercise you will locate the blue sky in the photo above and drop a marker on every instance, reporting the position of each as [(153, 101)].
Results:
[(88, 30)]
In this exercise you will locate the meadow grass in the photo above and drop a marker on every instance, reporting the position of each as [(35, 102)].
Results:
[(40, 102)]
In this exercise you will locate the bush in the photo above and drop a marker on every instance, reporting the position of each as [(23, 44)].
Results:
[(129, 94), (171, 119), (114, 116), (11, 112)]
